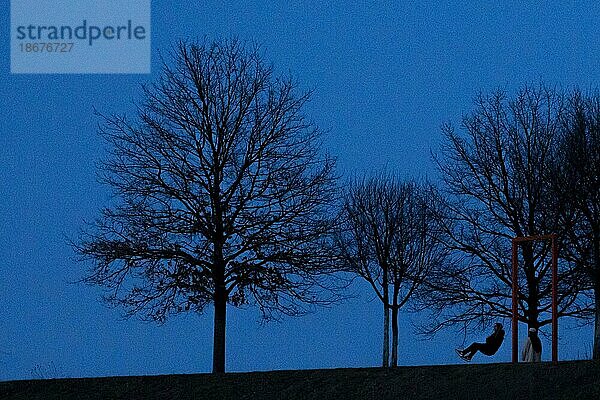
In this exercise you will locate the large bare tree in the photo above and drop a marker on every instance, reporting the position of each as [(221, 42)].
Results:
[(578, 188), (222, 194), (498, 181), (386, 237)]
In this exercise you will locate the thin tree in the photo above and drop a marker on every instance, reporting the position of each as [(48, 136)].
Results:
[(578, 188), (385, 238), (499, 185), (222, 194)]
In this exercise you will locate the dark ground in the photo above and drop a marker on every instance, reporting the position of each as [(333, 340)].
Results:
[(568, 380)]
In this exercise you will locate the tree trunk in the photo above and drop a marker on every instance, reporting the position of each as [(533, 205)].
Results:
[(596, 351), (386, 336), (386, 319), (395, 337), (596, 277), (221, 295), (532, 301), (220, 322), (220, 302)]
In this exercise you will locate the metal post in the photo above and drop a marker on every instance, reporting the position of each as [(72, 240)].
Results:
[(515, 309), (554, 300)]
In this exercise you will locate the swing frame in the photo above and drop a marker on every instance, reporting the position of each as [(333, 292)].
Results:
[(516, 241)]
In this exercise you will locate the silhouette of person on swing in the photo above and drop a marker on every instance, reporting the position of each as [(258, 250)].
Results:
[(489, 348)]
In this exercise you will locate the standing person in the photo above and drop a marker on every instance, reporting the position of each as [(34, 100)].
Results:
[(532, 351), (489, 348)]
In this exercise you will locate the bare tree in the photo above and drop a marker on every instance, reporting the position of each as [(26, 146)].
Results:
[(385, 238), (222, 194), (498, 180), (578, 188)]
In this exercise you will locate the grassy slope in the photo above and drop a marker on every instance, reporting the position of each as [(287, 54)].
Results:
[(569, 380)]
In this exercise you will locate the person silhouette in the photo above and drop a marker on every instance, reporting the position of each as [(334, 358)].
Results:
[(532, 350), (489, 348)]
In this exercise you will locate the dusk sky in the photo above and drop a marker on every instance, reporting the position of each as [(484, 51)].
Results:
[(385, 77)]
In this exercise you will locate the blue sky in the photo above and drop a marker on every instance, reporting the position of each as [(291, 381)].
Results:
[(385, 76)]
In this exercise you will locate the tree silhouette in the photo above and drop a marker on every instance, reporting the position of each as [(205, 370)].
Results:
[(498, 177), (386, 237), (578, 189), (222, 194)]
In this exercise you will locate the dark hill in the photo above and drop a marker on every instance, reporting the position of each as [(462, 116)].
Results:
[(568, 380)]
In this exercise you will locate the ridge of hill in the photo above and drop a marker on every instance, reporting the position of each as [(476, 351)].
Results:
[(567, 380)]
